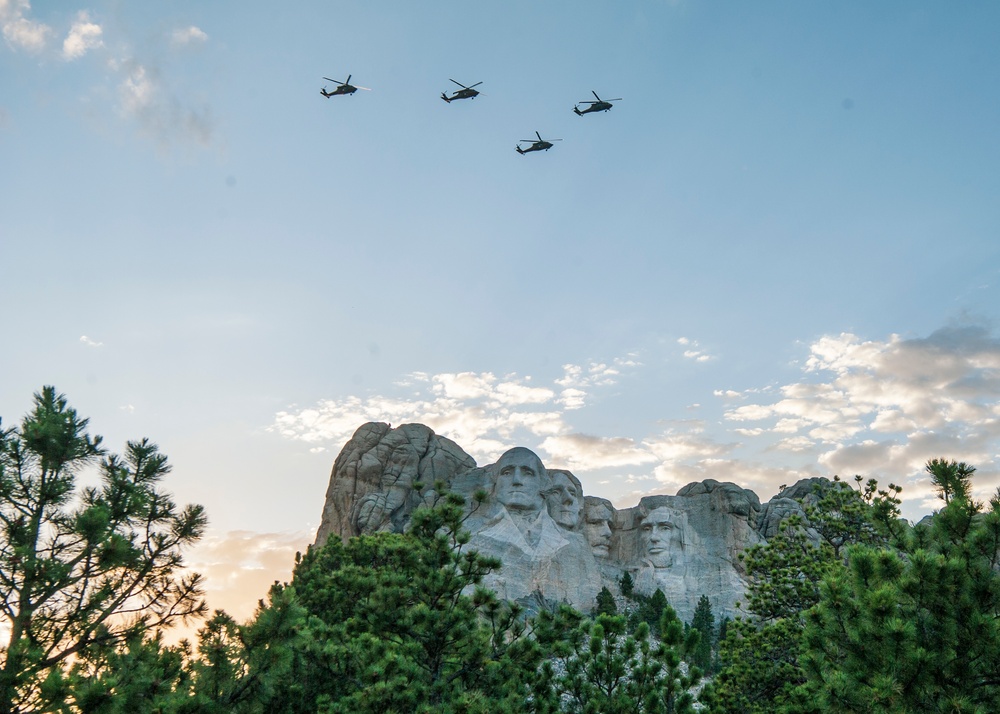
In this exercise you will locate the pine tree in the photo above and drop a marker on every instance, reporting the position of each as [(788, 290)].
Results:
[(605, 603), (84, 571), (760, 659), (704, 622), (627, 585), (598, 667), (916, 630), (398, 622)]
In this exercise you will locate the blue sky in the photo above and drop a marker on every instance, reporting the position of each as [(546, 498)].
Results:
[(777, 257)]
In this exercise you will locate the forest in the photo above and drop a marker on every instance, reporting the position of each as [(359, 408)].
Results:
[(849, 609)]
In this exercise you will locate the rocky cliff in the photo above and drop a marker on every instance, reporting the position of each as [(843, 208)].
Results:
[(556, 542)]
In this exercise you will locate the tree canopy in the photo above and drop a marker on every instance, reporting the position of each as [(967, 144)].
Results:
[(84, 571)]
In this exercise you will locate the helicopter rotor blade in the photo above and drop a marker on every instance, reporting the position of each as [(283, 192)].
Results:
[(595, 95), (613, 100), (335, 81), (538, 135), (474, 85), (367, 89), (460, 84), (349, 81)]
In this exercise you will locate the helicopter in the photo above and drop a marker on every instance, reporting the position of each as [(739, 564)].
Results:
[(540, 145), (601, 105), (342, 88), (463, 93)]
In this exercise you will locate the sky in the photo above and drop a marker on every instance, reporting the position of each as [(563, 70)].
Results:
[(777, 257)]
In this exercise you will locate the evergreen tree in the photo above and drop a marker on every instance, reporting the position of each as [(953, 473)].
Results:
[(84, 571), (597, 667), (399, 622), (760, 659), (627, 585), (605, 603), (704, 623), (917, 630), (951, 479)]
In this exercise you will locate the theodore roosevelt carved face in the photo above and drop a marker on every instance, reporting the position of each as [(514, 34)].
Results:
[(597, 517), (520, 480)]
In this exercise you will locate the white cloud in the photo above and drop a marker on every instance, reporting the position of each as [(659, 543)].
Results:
[(84, 35), (188, 35), (478, 410), (876, 408), (160, 114), (583, 452), (886, 407), (20, 32), (694, 352), (89, 342)]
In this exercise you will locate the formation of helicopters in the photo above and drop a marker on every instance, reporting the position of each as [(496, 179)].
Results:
[(470, 92)]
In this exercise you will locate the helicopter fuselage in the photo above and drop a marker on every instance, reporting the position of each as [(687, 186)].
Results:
[(461, 94), (537, 146), (595, 107), (343, 89)]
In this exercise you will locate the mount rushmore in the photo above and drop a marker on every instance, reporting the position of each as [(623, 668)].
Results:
[(555, 542)]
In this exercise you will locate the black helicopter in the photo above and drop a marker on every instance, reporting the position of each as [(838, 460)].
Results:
[(601, 105), (540, 145), (342, 88), (463, 93)]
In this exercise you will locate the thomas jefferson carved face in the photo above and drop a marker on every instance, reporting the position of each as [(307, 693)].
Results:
[(597, 525), (520, 480), (565, 499), (660, 534)]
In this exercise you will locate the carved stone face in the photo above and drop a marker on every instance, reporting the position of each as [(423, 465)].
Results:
[(520, 480), (565, 500), (660, 534), (597, 526)]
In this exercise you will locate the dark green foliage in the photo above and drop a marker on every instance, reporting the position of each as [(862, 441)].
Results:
[(240, 667), (398, 622), (649, 611), (627, 585), (704, 623), (605, 603), (951, 479), (84, 572), (761, 669), (138, 675), (597, 667), (917, 630)]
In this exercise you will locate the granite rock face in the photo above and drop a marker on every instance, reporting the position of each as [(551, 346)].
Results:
[(555, 542)]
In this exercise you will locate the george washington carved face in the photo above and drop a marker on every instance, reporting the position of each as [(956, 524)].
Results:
[(520, 480)]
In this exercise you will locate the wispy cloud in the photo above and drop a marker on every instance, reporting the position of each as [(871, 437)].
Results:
[(84, 35), (89, 342), (188, 35), (693, 350), (481, 411), (163, 117), (20, 32), (240, 566), (878, 408), (886, 407)]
